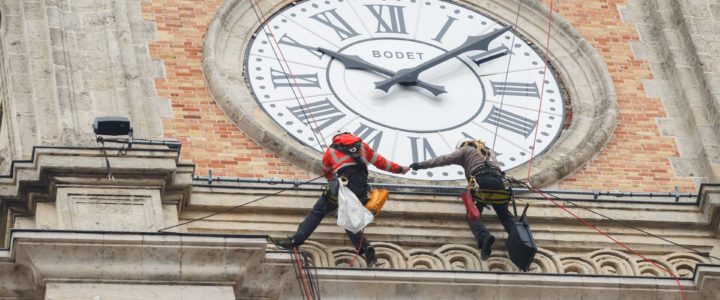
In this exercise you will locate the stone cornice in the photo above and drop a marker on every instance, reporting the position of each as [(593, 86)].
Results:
[(254, 273), (143, 257), (710, 205), (37, 179), (392, 284), (430, 221)]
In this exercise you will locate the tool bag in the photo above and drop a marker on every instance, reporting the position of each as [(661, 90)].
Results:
[(520, 245), (377, 200)]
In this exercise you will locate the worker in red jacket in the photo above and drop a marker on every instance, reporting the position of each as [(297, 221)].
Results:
[(347, 156)]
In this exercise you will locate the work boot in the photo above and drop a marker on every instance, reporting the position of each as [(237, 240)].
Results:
[(486, 247), (286, 244), (370, 258)]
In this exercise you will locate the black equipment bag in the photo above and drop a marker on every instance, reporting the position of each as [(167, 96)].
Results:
[(520, 245)]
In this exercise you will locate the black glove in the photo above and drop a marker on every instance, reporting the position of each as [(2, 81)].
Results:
[(416, 166)]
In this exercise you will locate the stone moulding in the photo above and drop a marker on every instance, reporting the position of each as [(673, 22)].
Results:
[(243, 262), (465, 258), (72, 173), (580, 67)]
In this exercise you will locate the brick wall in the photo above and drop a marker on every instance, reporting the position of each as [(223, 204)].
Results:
[(210, 139), (636, 159)]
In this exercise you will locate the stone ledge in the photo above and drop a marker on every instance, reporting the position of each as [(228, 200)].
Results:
[(38, 179), (159, 258), (392, 284), (710, 204)]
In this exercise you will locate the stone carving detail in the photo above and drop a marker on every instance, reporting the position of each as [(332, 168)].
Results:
[(466, 258), (108, 208)]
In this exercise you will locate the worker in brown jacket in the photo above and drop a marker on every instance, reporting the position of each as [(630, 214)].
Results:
[(480, 165)]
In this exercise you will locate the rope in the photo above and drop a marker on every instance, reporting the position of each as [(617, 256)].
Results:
[(542, 89), (303, 282), (507, 73), (357, 251), (241, 205), (284, 65), (621, 244)]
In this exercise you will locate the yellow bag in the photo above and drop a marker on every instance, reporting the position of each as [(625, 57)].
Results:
[(377, 200)]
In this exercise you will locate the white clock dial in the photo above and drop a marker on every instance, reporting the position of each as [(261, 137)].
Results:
[(318, 66)]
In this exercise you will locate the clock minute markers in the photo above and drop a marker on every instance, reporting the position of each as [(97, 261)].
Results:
[(490, 55), (355, 62), (408, 76)]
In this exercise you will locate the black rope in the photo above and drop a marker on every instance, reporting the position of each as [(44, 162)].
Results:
[(507, 73), (241, 205), (625, 224), (107, 162), (304, 107), (294, 262), (311, 276)]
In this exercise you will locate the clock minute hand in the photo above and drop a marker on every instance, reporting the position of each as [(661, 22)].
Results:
[(355, 62), (405, 76)]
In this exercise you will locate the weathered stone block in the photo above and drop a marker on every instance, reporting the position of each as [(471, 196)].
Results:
[(110, 208), (33, 9)]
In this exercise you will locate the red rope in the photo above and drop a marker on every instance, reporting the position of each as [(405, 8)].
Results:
[(302, 275), (542, 89), (357, 251), (282, 60), (563, 207)]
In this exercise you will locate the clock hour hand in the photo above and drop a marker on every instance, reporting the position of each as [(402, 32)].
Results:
[(355, 62), (406, 76)]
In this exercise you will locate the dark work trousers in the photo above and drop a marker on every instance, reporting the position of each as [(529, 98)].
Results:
[(491, 181), (324, 206)]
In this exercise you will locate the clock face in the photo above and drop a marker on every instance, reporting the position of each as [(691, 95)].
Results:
[(320, 66)]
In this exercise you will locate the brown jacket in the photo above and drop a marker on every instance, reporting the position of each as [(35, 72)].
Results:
[(466, 157)]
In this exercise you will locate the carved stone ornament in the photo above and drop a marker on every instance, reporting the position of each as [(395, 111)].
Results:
[(465, 258)]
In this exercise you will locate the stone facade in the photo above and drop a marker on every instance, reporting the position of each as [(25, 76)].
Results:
[(418, 255), (68, 231)]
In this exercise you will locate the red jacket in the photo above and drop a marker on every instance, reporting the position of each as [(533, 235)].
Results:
[(334, 159)]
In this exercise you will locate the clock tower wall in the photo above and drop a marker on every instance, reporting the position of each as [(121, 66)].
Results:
[(637, 155)]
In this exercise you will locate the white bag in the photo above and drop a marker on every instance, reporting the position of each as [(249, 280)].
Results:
[(352, 215)]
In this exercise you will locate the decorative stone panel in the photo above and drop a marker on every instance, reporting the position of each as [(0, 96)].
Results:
[(109, 208), (465, 258)]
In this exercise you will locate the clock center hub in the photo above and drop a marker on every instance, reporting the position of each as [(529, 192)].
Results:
[(407, 107)]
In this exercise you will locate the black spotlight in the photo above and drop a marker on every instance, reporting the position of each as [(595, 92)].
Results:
[(121, 126), (112, 126)]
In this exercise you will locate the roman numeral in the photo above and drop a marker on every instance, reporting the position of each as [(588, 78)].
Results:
[(444, 29), (515, 89), (510, 121), (490, 54), (286, 40), (415, 146), (282, 79), (370, 135), (320, 114), (391, 22), (333, 20)]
